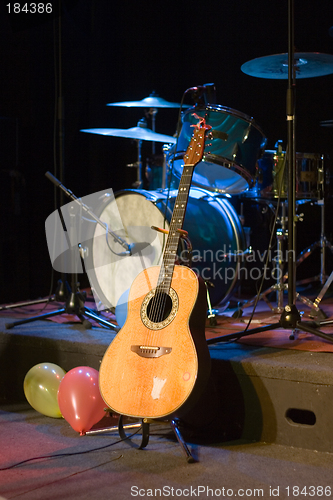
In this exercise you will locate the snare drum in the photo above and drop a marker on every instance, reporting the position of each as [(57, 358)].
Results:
[(273, 175), (230, 156), (214, 230)]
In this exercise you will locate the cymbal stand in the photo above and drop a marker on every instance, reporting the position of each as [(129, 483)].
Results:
[(138, 164), (152, 113), (290, 318)]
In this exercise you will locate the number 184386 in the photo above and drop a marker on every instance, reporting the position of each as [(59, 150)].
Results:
[(308, 491), (29, 8)]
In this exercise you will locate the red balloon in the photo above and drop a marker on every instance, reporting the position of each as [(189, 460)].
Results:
[(79, 399)]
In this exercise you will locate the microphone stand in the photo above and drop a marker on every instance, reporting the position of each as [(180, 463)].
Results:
[(290, 317), (75, 299)]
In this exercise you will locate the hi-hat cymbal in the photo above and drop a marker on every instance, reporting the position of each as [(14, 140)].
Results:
[(307, 65), (149, 102), (139, 133), (326, 123)]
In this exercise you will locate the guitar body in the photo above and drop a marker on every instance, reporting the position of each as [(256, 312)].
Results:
[(158, 369)]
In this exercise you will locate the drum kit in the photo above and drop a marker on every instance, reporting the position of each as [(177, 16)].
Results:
[(235, 162)]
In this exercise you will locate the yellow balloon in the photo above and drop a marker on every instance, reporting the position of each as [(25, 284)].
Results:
[(41, 385)]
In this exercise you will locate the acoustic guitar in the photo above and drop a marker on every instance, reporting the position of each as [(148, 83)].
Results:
[(158, 364)]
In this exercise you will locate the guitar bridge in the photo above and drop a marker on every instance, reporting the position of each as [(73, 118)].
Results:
[(149, 351)]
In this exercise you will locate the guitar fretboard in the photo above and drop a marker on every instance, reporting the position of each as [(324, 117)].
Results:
[(177, 221), (193, 155)]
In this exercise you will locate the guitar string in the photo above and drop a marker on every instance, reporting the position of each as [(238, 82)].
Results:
[(159, 302), (170, 254), (159, 299), (161, 290), (161, 295), (178, 213)]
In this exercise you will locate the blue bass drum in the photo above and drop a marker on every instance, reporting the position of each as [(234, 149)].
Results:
[(214, 230), (229, 163)]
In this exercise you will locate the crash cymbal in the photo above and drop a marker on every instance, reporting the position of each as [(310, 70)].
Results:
[(326, 123), (307, 65), (149, 102), (139, 133)]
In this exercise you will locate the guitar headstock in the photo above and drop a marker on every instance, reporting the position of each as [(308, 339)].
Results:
[(194, 152)]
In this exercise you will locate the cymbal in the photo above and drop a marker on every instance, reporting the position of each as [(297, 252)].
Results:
[(139, 133), (149, 102), (307, 65), (326, 123)]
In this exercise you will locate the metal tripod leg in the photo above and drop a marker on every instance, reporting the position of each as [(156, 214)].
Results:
[(322, 243), (189, 457), (74, 305), (28, 303), (314, 311)]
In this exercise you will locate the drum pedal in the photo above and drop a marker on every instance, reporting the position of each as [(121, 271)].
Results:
[(211, 312)]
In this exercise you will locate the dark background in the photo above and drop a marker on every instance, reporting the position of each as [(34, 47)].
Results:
[(122, 51)]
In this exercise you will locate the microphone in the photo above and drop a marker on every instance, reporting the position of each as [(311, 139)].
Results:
[(138, 247), (199, 88), (203, 94), (134, 248)]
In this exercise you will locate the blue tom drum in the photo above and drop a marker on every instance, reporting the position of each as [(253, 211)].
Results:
[(235, 143)]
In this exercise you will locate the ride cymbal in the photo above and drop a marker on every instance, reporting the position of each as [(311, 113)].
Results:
[(138, 133), (149, 102), (307, 65)]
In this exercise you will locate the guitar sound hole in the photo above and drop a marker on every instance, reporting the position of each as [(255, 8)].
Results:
[(159, 307)]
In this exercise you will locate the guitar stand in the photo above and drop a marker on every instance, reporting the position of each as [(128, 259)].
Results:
[(144, 425)]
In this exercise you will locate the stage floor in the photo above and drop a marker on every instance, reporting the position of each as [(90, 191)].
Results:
[(264, 421), (100, 467)]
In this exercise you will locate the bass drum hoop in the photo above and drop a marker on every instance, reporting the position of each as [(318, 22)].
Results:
[(222, 162)]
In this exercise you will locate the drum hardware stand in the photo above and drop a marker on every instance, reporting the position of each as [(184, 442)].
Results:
[(153, 112), (165, 149), (322, 243), (138, 164), (280, 286), (144, 425), (290, 318)]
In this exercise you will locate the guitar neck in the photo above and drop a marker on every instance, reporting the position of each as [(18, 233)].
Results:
[(176, 223), (193, 155)]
